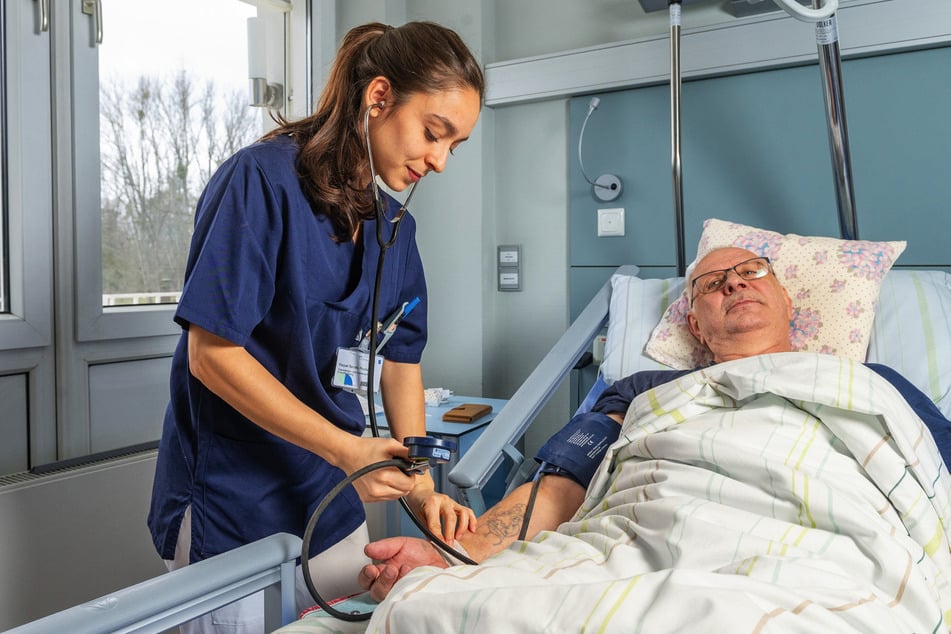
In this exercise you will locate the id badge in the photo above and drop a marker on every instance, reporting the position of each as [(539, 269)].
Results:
[(352, 371)]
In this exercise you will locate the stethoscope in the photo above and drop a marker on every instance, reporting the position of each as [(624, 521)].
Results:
[(423, 451), (378, 202)]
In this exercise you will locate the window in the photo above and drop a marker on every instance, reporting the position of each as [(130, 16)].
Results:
[(131, 105), (26, 363), (167, 110), (171, 109)]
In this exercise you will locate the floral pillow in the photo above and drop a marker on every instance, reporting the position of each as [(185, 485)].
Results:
[(833, 284)]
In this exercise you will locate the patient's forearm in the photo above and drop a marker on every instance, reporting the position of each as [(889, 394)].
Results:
[(557, 500)]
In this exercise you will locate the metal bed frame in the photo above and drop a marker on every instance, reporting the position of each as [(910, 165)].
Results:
[(157, 604)]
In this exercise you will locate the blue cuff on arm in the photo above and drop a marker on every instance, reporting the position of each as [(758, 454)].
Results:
[(577, 449)]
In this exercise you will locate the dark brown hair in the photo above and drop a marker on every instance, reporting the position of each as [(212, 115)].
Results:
[(415, 57)]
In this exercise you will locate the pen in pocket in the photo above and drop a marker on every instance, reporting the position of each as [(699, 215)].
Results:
[(386, 330)]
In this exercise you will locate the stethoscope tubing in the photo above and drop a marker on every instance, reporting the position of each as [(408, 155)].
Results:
[(374, 427)]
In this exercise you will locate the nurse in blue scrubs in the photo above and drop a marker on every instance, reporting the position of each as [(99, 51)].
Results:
[(280, 278)]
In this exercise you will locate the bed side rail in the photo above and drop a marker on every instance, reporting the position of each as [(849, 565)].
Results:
[(498, 441), (157, 604)]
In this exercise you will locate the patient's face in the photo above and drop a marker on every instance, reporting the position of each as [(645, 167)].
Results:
[(743, 317)]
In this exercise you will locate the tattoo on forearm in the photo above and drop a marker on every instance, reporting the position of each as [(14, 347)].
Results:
[(503, 525)]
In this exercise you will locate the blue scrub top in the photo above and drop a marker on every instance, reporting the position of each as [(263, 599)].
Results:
[(265, 272)]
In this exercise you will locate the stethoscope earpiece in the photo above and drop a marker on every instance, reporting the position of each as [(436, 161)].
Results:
[(376, 190)]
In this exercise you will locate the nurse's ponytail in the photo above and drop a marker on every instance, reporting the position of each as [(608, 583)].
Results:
[(416, 57)]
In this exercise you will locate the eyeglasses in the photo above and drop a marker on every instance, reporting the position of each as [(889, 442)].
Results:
[(711, 282)]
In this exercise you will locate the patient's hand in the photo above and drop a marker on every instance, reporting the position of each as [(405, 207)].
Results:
[(396, 556)]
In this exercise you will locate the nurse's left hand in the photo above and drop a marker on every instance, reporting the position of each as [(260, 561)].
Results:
[(440, 513)]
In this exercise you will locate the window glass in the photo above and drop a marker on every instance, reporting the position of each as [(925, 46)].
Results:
[(173, 94)]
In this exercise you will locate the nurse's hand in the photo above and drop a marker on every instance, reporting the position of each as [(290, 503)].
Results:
[(393, 558), (440, 513), (380, 484)]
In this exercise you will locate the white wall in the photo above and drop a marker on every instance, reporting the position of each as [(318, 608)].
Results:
[(530, 209), (526, 28), (449, 211)]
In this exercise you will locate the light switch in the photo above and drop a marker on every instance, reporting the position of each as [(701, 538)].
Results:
[(509, 262), (611, 222), (508, 255), (508, 281)]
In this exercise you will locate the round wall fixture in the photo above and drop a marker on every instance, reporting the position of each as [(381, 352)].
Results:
[(607, 187)]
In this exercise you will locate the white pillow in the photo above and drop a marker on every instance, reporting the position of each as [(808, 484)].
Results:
[(912, 331), (833, 284), (636, 307)]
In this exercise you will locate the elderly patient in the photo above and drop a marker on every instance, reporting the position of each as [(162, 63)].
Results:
[(738, 310)]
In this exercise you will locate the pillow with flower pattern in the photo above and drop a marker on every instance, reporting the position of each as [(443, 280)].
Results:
[(833, 284)]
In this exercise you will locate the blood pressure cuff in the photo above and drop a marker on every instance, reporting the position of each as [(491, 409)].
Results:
[(577, 450)]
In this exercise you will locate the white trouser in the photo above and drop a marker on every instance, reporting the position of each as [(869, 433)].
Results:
[(334, 573)]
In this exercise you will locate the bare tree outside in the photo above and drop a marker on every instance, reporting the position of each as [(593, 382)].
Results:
[(161, 139)]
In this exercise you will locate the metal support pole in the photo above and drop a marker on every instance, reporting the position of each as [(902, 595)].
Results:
[(674, 7), (830, 67)]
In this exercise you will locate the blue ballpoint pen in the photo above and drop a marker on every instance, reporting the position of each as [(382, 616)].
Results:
[(386, 329), (390, 326)]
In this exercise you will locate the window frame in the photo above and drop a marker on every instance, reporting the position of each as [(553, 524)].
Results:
[(26, 328), (28, 190)]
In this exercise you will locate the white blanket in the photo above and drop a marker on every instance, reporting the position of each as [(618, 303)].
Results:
[(779, 493)]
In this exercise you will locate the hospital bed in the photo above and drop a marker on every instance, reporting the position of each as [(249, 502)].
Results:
[(915, 309), (911, 332)]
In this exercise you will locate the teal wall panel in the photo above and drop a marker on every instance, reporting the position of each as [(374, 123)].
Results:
[(900, 132), (755, 150)]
